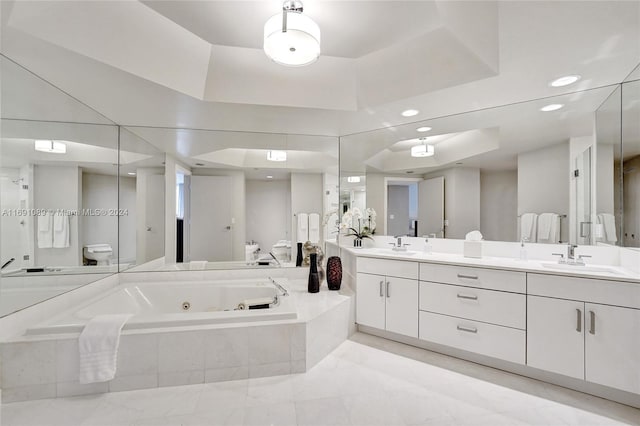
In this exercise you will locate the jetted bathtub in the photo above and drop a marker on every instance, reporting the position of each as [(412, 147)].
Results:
[(179, 304)]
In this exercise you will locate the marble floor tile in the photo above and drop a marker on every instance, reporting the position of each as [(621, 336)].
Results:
[(366, 381)]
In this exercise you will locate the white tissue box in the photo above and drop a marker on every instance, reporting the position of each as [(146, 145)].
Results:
[(472, 249)]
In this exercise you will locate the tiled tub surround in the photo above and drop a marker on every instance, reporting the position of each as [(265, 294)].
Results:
[(35, 367), (579, 330)]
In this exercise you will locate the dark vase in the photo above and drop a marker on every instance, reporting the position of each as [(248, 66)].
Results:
[(299, 255), (334, 273), (313, 285)]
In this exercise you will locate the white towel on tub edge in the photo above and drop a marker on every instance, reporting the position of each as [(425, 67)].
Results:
[(98, 344)]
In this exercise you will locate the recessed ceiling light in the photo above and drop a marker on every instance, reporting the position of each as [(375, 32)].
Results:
[(423, 129), (269, 177), (353, 179), (565, 81), (410, 112), (274, 155), (551, 107), (53, 147), (131, 173)]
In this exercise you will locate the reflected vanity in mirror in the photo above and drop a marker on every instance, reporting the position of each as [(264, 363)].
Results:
[(241, 199), (58, 192), (545, 170)]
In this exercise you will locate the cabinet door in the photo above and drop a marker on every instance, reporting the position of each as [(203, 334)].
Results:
[(555, 335), (612, 345), (370, 300), (402, 306)]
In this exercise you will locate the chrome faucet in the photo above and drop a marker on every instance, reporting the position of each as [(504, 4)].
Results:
[(571, 253), (9, 262), (398, 246), (275, 258), (279, 287)]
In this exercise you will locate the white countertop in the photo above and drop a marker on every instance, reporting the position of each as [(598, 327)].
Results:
[(609, 272)]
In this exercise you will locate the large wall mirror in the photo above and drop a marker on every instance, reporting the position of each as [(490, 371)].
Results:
[(241, 199), (629, 168), (58, 191), (545, 170)]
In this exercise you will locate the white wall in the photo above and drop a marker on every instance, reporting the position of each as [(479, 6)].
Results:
[(604, 179), (499, 205), (101, 192), (147, 214), (543, 183), (59, 188), (268, 213), (306, 197), (632, 202), (461, 200), (375, 199)]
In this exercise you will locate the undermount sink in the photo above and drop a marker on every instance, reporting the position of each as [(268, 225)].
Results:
[(579, 268), (388, 251)]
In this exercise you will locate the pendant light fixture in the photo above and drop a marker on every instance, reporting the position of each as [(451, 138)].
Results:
[(53, 147), (423, 150), (292, 39)]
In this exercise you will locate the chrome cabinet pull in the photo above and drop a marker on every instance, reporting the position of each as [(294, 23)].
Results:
[(465, 296), (469, 277), (381, 294), (592, 326), (467, 329), (388, 295), (578, 320)]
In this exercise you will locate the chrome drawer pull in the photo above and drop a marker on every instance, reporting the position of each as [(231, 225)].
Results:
[(592, 326), (388, 289), (578, 320), (381, 294), (465, 296), (469, 277), (467, 329)]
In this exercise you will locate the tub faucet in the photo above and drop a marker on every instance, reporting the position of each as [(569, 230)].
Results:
[(275, 258), (279, 287), (9, 262)]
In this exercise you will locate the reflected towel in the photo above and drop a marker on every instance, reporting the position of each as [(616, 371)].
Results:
[(314, 228), (45, 231), (98, 345), (61, 234), (528, 226), (609, 223), (302, 233), (549, 228)]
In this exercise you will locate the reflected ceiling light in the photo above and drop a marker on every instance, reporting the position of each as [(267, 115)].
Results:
[(269, 177), (131, 173), (551, 107), (353, 179), (565, 81), (410, 112), (291, 38), (423, 129), (274, 155), (54, 147), (423, 150)]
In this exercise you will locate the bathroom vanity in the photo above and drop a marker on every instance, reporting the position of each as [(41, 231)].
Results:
[(575, 327)]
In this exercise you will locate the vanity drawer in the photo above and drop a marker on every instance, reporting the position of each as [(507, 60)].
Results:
[(493, 279), (390, 268), (496, 307), (485, 339)]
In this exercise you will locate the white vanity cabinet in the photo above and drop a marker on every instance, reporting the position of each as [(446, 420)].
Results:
[(474, 309), (387, 295), (574, 329)]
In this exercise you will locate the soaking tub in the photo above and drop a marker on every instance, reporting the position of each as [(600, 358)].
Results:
[(179, 304)]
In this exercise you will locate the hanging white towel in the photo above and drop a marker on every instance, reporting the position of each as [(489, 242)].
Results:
[(529, 227), (98, 344), (549, 228), (609, 224), (61, 234), (314, 228), (45, 231), (302, 233)]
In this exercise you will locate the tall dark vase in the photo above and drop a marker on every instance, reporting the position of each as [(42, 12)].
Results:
[(313, 285), (299, 255), (334, 273)]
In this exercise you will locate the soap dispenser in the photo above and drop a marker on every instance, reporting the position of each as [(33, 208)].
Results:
[(427, 246), (523, 249)]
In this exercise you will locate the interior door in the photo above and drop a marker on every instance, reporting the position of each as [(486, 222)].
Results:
[(210, 226), (154, 218), (431, 207), (612, 345)]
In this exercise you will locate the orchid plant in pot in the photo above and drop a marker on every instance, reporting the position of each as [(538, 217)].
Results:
[(358, 225)]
